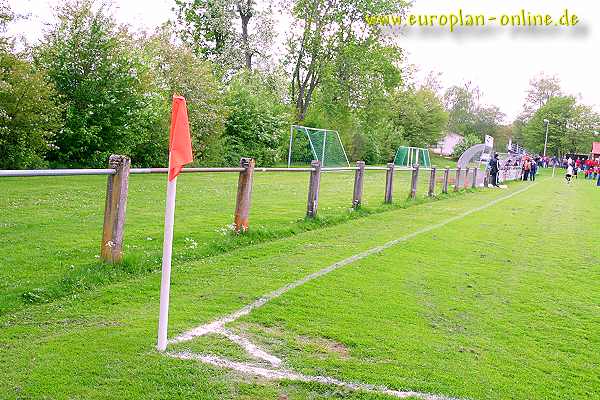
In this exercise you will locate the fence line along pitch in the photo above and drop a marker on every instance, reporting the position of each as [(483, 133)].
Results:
[(54, 172), (136, 171), (118, 184)]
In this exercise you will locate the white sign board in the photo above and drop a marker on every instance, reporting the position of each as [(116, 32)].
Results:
[(489, 141)]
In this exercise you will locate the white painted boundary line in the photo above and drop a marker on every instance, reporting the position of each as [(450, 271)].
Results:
[(278, 372), (218, 325), (295, 376)]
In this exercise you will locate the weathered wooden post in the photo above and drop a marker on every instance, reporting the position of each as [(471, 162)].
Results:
[(114, 209), (313, 189), (486, 179), (474, 183), (466, 182), (414, 181), (358, 184), (445, 184), (431, 191), (244, 195), (457, 182), (389, 183)]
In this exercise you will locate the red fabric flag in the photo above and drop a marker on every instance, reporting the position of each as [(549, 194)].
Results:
[(180, 144)]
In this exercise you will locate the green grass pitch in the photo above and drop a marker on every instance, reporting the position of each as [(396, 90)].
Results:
[(501, 303)]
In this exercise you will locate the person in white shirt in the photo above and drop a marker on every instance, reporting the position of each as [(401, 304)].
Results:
[(569, 173)]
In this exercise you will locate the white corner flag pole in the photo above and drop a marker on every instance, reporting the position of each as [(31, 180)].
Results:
[(165, 283)]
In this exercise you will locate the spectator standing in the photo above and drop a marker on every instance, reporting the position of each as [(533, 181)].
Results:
[(526, 169), (534, 167), (494, 169)]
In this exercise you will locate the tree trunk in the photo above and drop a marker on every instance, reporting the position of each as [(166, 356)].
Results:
[(245, 16)]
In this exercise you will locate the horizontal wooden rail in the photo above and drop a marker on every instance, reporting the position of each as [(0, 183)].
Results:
[(184, 170), (107, 171), (376, 168), (56, 172), (338, 169), (283, 169)]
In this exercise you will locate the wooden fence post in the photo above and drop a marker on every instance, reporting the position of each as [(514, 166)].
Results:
[(457, 182), (414, 181), (114, 209), (466, 182), (358, 184), (313, 189), (445, 184), (389, 183), (486, 178), (474, 183), (244, 195), (431, 191)]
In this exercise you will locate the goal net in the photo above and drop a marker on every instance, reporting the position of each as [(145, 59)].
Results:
[(307, 144), (409, 156)]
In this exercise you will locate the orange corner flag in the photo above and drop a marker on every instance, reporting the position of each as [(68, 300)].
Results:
[(180, 143)]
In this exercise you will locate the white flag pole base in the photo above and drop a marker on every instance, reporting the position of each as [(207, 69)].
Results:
[(165, 283)]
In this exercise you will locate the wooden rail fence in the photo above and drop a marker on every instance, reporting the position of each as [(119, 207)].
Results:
[(120, 168)]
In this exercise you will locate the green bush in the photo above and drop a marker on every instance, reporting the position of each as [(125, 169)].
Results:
[(255, 123), (29, 116)]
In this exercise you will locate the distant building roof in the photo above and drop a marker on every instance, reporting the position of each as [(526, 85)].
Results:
[(596, 148)]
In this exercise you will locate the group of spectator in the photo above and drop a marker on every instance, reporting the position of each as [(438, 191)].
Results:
[(530, 164), (589, 167)]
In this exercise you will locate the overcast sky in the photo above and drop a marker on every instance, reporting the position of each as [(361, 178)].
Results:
[(500, 60)]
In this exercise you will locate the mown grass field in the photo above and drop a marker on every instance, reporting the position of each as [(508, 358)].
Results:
[(502, 303), (52, 225)]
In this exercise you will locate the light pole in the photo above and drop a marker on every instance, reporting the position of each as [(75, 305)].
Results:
[(546, 141)]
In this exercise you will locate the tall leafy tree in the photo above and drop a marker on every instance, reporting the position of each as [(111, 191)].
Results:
[(29, 117), (570, 129), (467, 115), (255, 122), (233, 33), (541, 89), (320, 30), (355, 97), (172, 68), (88, 59), (421, 115), (6, 16)]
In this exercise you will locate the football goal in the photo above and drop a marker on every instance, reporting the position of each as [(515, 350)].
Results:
[(409, 156), (307, 144)]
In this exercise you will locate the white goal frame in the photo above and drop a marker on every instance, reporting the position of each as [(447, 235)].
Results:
[(304, 129)]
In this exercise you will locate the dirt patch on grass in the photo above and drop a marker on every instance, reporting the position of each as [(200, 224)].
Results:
[(324, 347)]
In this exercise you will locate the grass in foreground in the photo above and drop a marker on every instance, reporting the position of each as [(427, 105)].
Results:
[(446, 312), (50, 227)]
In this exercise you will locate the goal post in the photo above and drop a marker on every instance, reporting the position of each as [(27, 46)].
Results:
[(307, 144), (408, 156)]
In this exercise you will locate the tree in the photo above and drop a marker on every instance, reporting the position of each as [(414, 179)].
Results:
[(321, 29), (6, 16), (255, 121), (467, 142), (421, 116), (541, 89), (220, 30), (29, 118), (462, 103), (580, 129), (467, 115), (89, 61), (570, 129), (487, 120), (171, 68), (354, 98)]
